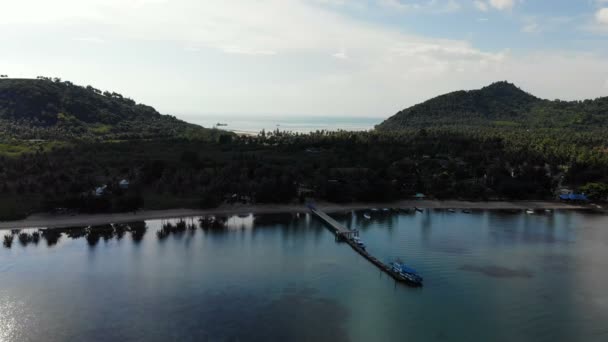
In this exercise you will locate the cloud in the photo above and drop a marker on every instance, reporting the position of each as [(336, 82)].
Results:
[(501, 5), (93, 40), (601, 16), (269, 56), (340, 55), (531, 28), (481, 5)]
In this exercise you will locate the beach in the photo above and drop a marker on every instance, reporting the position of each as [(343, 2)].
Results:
[(47, 220)]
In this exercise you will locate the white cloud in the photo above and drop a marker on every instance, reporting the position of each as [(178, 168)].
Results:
[(481, 5), (601, 16), (531, 28), (267, 56), (93, 40), (340, 55), (502, 4)]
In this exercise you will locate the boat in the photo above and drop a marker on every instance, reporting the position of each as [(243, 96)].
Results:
[(358, 242), (367, 216), (529, 211), (467, 211), (386, 210), (418, 210), (451, 210), (548, 210), (407, 273), (374, 209), (219, 124)]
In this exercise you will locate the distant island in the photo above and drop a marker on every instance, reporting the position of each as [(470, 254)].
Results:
[(66, 148)]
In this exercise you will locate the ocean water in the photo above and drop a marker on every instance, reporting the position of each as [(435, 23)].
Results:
[(301, 124), (489, 276)]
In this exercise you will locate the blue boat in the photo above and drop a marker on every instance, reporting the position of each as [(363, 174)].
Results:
[(408, 273)]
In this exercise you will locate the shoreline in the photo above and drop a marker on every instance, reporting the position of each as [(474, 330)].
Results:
[(46, 220)]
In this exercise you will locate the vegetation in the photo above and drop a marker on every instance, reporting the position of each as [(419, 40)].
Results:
[(501, 105), (52, 109), (471, 145)]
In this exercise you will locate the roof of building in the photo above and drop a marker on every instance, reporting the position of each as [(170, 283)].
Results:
[(574, 197)]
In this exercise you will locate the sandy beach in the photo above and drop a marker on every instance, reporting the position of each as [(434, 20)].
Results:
[(46, 220)]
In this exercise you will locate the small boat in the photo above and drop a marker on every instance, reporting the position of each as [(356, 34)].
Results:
[(529, 211), (451, 210), (367, 216), (358, 242), (418, 210), (548, 210), (374, 209), (386, 210), (467, 211)]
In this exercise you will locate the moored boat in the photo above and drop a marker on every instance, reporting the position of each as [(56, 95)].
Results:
[(358, 242), (406, 273)]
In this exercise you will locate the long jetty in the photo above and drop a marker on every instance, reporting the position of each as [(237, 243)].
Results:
[(346, 235)]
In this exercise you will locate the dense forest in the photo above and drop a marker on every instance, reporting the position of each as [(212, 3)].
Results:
[(52, 109), (501, 105), (87, 173)]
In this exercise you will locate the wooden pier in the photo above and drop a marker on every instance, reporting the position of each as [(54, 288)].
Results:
[(346, 235)]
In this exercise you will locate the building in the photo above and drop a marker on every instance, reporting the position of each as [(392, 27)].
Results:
[(123, 184), (572, 197), (100, 191)]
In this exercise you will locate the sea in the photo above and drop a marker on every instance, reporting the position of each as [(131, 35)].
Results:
[(254, 124), (488, 276)]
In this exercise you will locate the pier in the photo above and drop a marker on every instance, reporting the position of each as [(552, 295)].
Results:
[(346, 235)]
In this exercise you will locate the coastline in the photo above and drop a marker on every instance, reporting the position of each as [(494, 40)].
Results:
[(45, 220)]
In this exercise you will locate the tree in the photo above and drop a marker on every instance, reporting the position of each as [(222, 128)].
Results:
[(595, 191)]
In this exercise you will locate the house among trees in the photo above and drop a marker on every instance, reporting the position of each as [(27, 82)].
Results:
[(100, 191), (123, 184)]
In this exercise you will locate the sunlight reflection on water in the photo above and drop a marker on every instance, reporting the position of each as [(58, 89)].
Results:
[(13, 319)]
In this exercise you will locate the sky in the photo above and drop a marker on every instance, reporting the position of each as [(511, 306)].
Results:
[(363, 58)]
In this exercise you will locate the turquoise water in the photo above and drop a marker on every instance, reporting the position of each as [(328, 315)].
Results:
[(489, 276), (300, 124)]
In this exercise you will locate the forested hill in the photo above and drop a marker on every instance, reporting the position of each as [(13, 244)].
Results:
[(52, 109), (501, 104)]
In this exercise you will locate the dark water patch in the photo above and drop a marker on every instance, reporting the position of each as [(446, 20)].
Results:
[(235, 315), (558, 263), (296, 317), (495, 271), (515, 235), (448, 247)]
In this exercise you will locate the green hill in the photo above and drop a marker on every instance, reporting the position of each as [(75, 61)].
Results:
[(52, 109), (500, 104)]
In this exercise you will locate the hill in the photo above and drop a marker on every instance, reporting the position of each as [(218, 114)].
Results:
[(500, 104), (52, 109)]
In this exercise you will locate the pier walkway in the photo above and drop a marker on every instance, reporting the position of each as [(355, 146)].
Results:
[(345, 234)]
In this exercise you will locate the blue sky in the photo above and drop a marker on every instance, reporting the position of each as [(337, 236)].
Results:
[(308, 57)]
